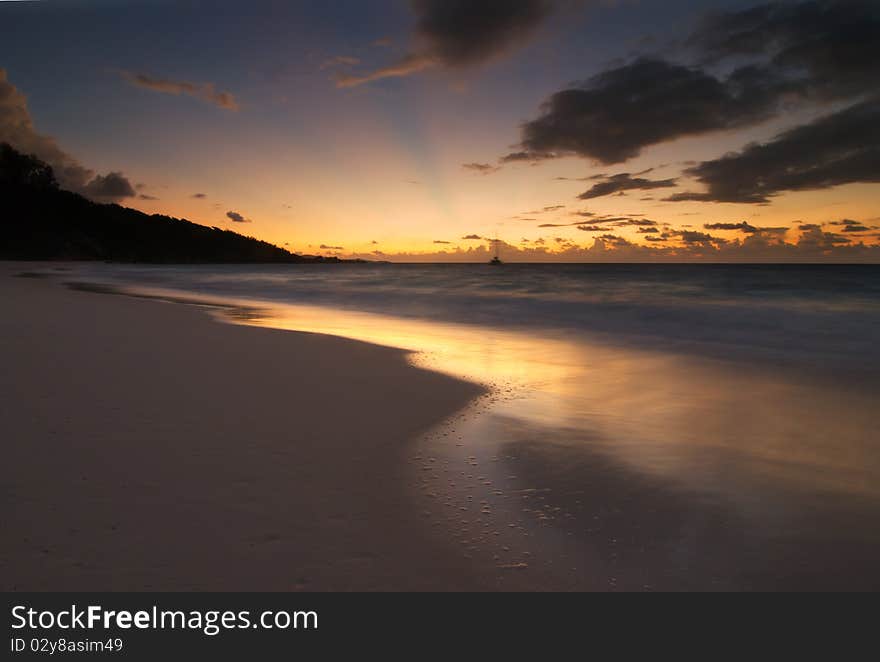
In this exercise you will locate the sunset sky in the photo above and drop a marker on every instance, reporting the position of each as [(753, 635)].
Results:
[(416, 129)]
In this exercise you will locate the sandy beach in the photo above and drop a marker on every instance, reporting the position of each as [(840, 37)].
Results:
[(149, 447)]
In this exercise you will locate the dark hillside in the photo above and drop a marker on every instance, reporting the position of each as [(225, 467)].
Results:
[(39, 221)]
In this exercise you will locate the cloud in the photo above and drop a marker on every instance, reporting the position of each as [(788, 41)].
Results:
[(746, 228), (616, 114), (851, 226), (464, 33), (202, 91), (637, 222), (325, 247), (625, 182), (458, 34), (438, 241), (742, 227), (842, 148), (827, 48), (149, 198), (472, 237), (481, 168), (110, 187), (199, 196), (693, 237), (235, 217), (17, 129), (617, 221)]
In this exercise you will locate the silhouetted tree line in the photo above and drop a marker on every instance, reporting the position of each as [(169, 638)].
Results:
[(40, 221)]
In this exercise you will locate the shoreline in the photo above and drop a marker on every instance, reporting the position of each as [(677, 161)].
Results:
[(152, 448)]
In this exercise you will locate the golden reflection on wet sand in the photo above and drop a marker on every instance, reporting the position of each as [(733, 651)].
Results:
[(599, 466), (710, 425)]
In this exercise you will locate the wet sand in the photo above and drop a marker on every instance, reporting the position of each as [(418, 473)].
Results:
[(148, 447)]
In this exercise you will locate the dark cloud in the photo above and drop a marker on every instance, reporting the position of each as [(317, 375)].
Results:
[(111, 187), (742, 227), (17, 129), (438, 241), (203, 91), (325, 247), (147, 197), (199, 196), (825, 48), (548, 210), (851, 226), (472, 237), (625, 182), (617, 221), (235, 217), (637, 222), (692, 237), (616, 114), (842, 148), (746, 228), (462, 33), (648, 231), (481, 168), (591, 228)]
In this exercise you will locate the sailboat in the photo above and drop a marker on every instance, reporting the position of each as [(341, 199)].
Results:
[(496, 261)]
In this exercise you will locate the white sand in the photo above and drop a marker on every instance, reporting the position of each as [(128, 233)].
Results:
[(149, 447)]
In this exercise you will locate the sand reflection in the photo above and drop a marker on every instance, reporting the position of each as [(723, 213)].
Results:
[(709, 425)]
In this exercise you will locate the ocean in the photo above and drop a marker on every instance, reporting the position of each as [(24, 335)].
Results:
[(646, 427)]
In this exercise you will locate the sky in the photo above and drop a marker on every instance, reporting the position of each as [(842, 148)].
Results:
[(421, 130)]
